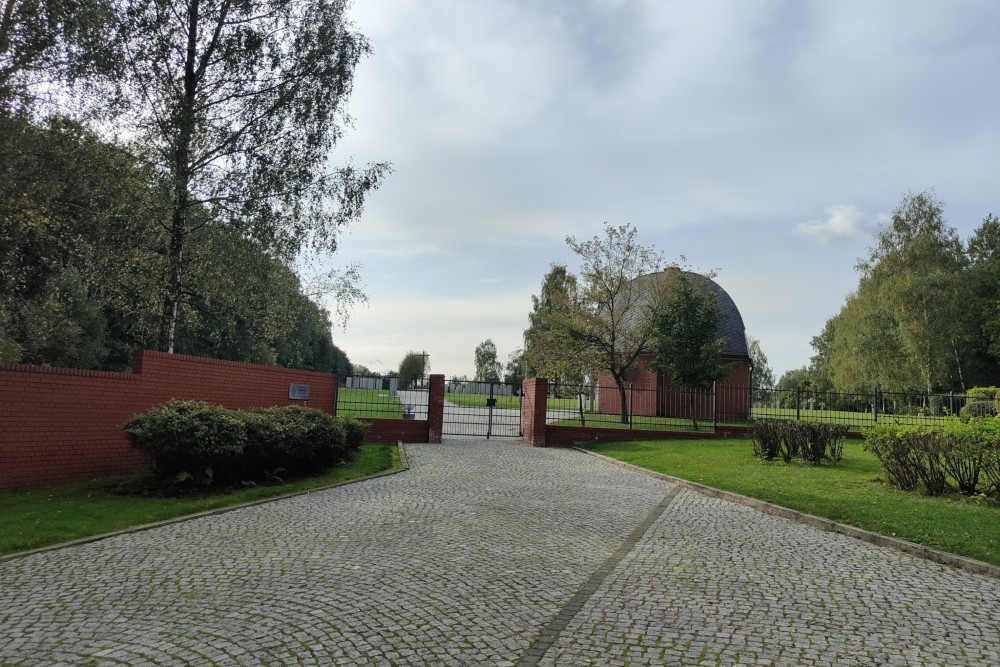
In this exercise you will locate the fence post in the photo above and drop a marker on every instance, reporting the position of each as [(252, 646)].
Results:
[(875, 406), (798, 403), (715, 406), (435, 408), (631, 404)]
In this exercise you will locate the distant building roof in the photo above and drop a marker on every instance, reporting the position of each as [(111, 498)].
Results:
[(730, 321)]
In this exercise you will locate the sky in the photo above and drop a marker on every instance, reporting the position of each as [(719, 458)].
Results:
[(763, 139)]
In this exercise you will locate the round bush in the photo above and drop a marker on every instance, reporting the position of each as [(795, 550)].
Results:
[(192, 437)]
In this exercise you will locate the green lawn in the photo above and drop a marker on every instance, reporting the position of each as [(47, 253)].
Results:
[(42, 516), (852, 492), (638, 423), (857, 419), (371, 403), (479, 400)]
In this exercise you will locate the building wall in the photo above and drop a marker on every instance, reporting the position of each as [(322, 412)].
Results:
[(649, 396), (59, 424)]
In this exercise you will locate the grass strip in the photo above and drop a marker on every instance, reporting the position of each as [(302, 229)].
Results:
[(370, 403), (852, 492), (42, 516)]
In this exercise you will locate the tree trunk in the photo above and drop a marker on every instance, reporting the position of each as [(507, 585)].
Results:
[(624, 399), (181, 169)]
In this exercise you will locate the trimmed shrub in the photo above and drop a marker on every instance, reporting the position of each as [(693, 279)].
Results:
[(895, 455), (979, 409), (796, 440), (196, 441), (354, 433), (204, 441), (294, 439), (821, 441), (964, 447), (766, 435)]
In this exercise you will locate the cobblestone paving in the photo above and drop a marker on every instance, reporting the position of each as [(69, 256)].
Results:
[(493, 553)]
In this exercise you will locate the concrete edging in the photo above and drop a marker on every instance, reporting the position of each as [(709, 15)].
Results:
[(404, 465), (927, 553)]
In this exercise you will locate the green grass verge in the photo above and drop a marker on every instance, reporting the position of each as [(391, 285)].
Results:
[(853, 491), (479, 400), (638, 423), (371, 403), (854, 419), (38, 517)]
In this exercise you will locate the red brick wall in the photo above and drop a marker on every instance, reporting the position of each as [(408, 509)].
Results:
[(435, 408), (732, 397), (58, 424), (393, 430), (534, 395), (569, 436)]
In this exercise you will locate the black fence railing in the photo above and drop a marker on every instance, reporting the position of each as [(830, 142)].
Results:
[(667, 408), (861, 409), (631, 407), (378, 397)]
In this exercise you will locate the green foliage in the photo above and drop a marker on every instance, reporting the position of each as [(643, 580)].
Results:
[(413, 367), (354, 433), (197, 442), (766, 436), (247, 152), (488, 368), (815, 442), (761, 374), (192, 437), (685, 326), (924, 316), (81, 254), (300, 441), (963, 451)]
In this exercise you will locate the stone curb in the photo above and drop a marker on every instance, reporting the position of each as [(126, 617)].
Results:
[(404, 464), (943, 557)]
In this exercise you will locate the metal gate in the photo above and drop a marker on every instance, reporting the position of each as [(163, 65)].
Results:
[(491, 409)]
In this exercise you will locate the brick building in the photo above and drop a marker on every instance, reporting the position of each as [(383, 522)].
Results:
[(651, 394)]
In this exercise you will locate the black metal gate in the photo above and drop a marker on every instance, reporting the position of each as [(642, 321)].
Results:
[(491, 409)]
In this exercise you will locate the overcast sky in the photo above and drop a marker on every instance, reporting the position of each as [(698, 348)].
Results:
[(764, 139)]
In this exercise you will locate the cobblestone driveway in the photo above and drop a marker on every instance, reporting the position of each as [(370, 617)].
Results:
[(494, 553)]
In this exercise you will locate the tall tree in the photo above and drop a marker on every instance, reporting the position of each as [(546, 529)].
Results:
[(761, 375), (685, 338), (984, 284), (914, 274), (488, 368), (240, 103), (514, 370), (610, 324), (48, 44), (413, 367), (548, 350)]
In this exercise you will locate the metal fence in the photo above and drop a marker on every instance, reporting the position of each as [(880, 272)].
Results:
[(861, 409), (377, 397), (491, 409), (669, 408)]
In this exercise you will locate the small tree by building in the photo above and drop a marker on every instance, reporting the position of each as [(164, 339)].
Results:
[(685, 340)]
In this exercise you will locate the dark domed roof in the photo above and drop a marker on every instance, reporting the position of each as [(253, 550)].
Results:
[(730, 321)]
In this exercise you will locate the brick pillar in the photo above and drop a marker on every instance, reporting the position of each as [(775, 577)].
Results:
[(435, 408), (534, 393)]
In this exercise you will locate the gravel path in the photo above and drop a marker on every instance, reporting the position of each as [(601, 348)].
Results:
[(493, 553)]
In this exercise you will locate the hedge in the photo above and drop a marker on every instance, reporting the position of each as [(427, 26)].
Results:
[(214, 445)]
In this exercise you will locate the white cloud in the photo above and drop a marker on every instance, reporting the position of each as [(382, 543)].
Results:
[(842, 222)]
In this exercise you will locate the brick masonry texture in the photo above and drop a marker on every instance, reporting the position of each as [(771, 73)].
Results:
[(494, 553), (59, 424)]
